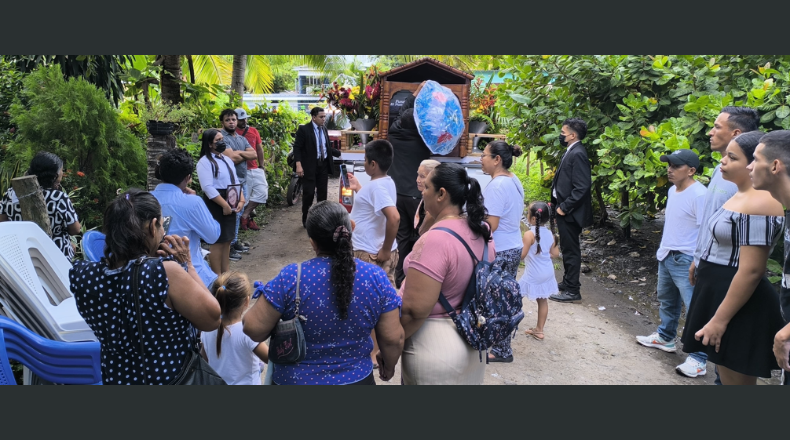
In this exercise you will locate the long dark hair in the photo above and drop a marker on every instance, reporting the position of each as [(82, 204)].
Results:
[(45, 167), (231, 289), (748, 142), (329, 226), (205, 149), (124, 225), (463, 190), (542, 213)]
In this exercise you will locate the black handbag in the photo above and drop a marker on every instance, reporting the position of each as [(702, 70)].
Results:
[(287, 345), (195, 371)]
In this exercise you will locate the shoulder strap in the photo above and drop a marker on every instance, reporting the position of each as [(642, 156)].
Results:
[(298, 281), (471, 288), (135, 279), (454, 234), (230, 172)]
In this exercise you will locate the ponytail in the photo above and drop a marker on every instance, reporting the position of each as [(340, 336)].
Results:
[(124, 226), (476, 212), (542, 213), (329, 226), (463, 189), (231, 289)]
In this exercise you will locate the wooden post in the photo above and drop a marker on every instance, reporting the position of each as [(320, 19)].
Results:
[(31, 201), (157, 146)]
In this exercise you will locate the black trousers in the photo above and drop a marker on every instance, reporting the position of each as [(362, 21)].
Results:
[(407, 236), (315, 185), (571, 252)]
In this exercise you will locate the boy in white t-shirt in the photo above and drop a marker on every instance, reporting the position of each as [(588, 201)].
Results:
[(682, 221), (374, 212)]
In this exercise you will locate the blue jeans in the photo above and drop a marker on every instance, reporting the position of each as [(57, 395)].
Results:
[(674, 288), (238, 215)]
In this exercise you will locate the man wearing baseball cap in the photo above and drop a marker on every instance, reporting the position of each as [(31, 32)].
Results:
[(682, 221), (256, 177)]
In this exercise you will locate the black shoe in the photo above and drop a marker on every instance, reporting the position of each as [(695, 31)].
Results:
[(566, 297), (500, 359), (234, 256), (238, 247), (561, 286)]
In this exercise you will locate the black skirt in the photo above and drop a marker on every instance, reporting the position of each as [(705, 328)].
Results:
[(747, 344), (227, 223)]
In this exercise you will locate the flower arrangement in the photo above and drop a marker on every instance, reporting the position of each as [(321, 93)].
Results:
[(481, 102), (357, 102)]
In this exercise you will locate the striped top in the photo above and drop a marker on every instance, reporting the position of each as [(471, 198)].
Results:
[(730, 230)]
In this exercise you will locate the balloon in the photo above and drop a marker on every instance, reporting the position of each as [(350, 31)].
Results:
[(439, 118)]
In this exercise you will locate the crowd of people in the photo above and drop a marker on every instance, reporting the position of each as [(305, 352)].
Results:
[(385, 275)]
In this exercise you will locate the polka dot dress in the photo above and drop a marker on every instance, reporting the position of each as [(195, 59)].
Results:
[(105, 300), (338, 350)]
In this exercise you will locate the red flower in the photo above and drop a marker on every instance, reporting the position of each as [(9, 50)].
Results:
[(80, 173)]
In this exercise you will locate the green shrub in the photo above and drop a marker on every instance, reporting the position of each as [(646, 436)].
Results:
[(75, 120), (536, 188)]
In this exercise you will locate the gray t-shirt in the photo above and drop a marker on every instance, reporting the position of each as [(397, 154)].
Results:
[(237, 143), (719, 191)]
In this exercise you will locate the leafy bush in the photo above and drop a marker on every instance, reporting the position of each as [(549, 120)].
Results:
[(536, 188), (75, 120), (637, 108)]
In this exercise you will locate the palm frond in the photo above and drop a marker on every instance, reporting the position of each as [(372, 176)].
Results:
[(213, 69), (259, 76)]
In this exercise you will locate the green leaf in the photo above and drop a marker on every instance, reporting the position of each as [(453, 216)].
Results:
[(774, 280), (632, 159), (520, 98), (768, 117), (782, 112), (774, 266)]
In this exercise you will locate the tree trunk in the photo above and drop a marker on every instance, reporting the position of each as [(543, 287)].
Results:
[(191, 69), (624, 205), (31, 201), (601, 205), (170, 80), (237, 78)]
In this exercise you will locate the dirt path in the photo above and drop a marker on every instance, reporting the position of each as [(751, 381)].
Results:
[(583, 345)]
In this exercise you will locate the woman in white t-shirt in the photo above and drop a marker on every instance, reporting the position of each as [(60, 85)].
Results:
[(230, 352), (504, 200)]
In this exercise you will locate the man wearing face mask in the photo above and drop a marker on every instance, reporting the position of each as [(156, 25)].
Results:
[(571, 197)]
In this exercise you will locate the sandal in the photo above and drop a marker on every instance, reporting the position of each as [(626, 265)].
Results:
[(537, 335)]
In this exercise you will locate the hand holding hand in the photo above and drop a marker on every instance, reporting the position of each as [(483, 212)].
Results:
[(385, 373)]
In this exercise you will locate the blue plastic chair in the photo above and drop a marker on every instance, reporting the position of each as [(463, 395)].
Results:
[(72, 363), (93, 245)]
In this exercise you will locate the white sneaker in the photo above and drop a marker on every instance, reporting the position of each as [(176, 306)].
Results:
[(692, 368), (656, 341)]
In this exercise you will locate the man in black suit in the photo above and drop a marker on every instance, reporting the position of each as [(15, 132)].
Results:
[(314, 159), (571, 198)]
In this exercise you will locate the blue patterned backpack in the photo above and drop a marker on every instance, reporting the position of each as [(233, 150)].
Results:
[(491, 309)]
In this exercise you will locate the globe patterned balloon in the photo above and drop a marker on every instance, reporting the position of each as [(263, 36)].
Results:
[(439, 118)]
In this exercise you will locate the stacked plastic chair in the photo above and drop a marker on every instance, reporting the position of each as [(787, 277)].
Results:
[(34, 284), (70, 363)]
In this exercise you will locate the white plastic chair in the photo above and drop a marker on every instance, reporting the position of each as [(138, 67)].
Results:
[(34, 284)]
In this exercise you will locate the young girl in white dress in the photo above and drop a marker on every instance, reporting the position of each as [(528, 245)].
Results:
[(230, 352), (538, 282)]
